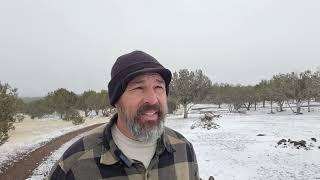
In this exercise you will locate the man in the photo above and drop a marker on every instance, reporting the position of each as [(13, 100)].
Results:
[(135, 144)]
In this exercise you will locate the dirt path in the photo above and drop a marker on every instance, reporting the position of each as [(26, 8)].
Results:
[(24, 167)]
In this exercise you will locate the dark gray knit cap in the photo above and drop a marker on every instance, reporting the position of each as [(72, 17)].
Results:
[(129, 66)]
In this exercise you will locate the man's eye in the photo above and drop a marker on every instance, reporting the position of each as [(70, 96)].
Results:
[(137, 88), (159, 87)]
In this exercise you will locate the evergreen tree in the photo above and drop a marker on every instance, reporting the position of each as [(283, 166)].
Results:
[(189, 87), (8, 110), (62, 101)]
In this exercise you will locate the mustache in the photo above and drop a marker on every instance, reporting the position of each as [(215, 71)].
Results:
[(148, 107)]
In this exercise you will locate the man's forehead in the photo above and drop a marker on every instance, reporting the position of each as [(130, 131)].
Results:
[(145, 76)]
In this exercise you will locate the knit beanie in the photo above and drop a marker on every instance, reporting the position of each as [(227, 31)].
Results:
[(129, 66)]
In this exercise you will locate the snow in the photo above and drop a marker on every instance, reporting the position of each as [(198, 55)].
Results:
[(33, 133), (234, 151)]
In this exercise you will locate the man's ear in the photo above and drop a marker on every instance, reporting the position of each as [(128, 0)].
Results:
[(116, 105)]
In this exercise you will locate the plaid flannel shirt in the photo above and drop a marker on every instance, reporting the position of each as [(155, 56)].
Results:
[(96, 156)]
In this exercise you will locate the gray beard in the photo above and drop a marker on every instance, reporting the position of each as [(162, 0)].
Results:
[(143, 134), (140, 131)]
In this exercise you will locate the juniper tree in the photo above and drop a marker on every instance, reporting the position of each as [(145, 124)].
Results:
[(87, 101), (62, 101), (8, 109), (103, 102), (189, 87)]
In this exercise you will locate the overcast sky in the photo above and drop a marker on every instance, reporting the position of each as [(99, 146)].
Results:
[(45, 45)]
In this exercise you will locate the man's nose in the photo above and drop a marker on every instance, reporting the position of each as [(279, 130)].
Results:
[(150, 97)]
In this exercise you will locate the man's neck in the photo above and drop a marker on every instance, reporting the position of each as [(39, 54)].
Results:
[(133, 149), (123, 127)]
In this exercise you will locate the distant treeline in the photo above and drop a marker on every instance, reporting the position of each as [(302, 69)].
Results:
[(64, 103), (187, 88), (190, 87)]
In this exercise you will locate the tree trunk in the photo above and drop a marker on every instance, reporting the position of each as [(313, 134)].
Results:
[(290, 107), (247, 107), (219, 105), (281, 106), (61, 115), (309, 105), (104, 112), (298, 103), (97, 112), (230, 108), (271, 110), (185, 111), (86, 113), (255, 106), (264, 103)]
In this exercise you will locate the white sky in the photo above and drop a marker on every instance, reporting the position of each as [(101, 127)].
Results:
[(45, 45)]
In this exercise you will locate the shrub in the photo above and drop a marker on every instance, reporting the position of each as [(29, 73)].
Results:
[(74, 116)]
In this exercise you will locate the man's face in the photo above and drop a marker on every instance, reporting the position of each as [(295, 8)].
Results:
[(143, 107)]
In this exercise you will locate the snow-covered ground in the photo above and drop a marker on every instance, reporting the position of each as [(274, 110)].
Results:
[(33, 133), (234, 151)]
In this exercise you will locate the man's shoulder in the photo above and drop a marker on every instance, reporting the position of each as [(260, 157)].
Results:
[(179, 144), (175, 137), (86, 147)]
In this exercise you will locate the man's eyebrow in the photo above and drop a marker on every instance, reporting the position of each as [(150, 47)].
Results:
[(135, 82), (160, 81), (141, 81)]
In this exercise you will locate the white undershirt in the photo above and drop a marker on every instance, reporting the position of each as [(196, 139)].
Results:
[(137, 150)]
